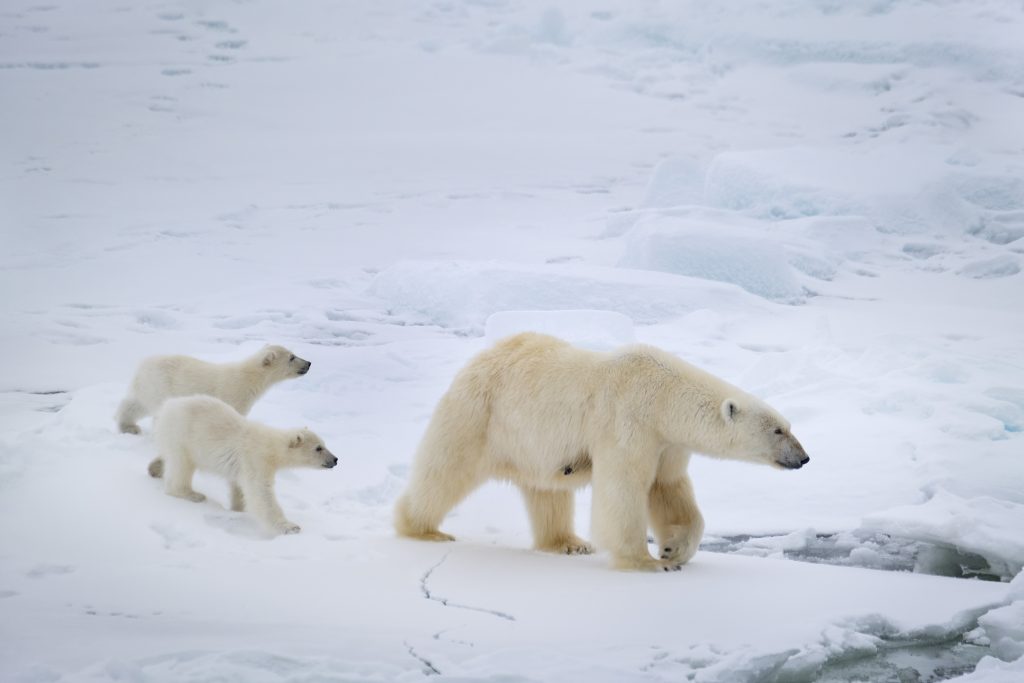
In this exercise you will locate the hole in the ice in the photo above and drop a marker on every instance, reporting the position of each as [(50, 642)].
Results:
[(862, 548), (907, 662)]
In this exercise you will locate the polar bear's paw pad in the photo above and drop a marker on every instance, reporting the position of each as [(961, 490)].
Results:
[(572, 546)]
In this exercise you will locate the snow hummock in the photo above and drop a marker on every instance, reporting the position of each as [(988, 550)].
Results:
[(463, 295), (980, 524), (692, 247)]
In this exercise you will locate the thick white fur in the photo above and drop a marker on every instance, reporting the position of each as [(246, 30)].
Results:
[(237, 384), (552, 418), (204, 433)]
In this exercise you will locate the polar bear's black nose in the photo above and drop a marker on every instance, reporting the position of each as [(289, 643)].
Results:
[(331, 462), (805, 460)]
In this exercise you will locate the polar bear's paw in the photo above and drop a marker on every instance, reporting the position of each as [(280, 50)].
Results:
[(437, 536), (571, 546), (129, 429), (682, 544), (648, 564), (288, 528)]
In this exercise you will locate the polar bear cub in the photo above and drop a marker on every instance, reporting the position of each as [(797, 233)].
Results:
[(552, 418), (205, 433), (238, 384)]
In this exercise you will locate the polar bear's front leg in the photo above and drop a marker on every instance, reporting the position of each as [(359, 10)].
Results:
[(262, 503), (675, 517), (551, 515), (621, 483)]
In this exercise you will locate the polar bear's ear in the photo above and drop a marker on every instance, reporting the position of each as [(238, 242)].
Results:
[(269, 357), (729, 410), (296, 440)]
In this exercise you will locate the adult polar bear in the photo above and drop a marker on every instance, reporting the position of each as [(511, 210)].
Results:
[(551, 418)]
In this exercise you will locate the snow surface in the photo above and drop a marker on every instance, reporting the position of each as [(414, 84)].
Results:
[(819, 201)]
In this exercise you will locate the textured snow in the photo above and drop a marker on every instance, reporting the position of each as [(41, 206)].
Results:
[(821, 202)]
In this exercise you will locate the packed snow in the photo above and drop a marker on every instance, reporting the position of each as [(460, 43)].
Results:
[(821, 202)]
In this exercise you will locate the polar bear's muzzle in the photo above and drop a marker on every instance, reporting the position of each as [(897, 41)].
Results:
[(792, 455), (304, 367)]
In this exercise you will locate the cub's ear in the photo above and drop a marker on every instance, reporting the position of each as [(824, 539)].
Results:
[(729, 410), (269, 357), (296, 441)]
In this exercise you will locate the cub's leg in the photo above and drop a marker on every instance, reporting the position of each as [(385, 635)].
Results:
[(262, 503), (128, 415), (237, 497), (551, 515), (178, 472), (675, 517)]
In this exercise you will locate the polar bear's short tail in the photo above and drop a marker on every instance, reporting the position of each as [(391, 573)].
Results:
[(156, 468)]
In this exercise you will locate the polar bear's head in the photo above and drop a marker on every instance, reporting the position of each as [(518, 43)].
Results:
[(306, 449), (757, 432), (282, 363)]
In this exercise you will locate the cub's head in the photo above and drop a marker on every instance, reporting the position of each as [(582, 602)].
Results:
[(282, 363), (756, 432), (306, 449)]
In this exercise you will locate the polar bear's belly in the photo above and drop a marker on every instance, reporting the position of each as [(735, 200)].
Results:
[(560, 471)]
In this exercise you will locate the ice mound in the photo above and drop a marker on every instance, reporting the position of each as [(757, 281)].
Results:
[(597, 330), (983, 525), (693, 247), (806, 181), (675, 182), (462, 294), (1000, 266), (900, 189)]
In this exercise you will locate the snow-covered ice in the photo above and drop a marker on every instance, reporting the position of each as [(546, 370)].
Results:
[(822, 202)]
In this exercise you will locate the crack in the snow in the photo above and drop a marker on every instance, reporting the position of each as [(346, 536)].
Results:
[(447, 603), (428, 667)]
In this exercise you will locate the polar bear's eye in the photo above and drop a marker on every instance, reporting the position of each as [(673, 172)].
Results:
[(291, 359), (319, 448), (778, 430)]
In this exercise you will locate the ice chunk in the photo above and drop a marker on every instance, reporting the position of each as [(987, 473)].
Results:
[(983, 525), (462, 294), (597, 330), (689, 246), (675, 182), (1000, 266)]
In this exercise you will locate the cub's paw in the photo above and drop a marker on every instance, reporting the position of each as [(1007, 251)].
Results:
[(130, 429), (289, 528), (195, 496)]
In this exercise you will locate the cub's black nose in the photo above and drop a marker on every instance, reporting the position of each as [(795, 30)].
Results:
[(332, 462), (805, 460)]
